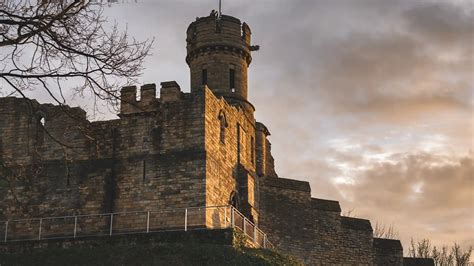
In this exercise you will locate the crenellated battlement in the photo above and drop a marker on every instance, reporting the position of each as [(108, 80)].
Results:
[(130, 103)]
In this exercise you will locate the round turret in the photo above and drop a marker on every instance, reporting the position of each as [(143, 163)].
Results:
[(218, 55)]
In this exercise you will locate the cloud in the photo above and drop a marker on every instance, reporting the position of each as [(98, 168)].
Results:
[(423, 195), (398, 75), (443, 24)]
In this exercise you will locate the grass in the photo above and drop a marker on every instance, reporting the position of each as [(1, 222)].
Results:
[(161, 254)]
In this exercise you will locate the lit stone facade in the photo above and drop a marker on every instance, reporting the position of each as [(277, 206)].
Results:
[(202, 148)]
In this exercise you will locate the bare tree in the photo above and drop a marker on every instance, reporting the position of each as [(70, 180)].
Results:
[(349, 213), (51, 46), (45, 44), (461, 257), (442, 257), (384, 231)]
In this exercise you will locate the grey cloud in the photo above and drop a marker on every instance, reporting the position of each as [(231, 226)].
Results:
[(442, 23), (429, 193), (390, 74)]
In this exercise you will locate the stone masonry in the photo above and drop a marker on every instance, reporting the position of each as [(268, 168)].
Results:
[(202, 148)]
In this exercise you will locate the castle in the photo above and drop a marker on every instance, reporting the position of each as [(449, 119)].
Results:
[(202, 148)]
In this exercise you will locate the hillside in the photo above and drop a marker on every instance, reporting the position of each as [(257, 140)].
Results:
[(161, 254)]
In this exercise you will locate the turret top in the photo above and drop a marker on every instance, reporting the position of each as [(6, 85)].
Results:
[(214, 30), (219, 54)]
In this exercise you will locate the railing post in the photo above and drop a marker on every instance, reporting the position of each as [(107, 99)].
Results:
[(254, 233), (245, 227), (232, 216), (111, 222), (148, 222), (6, 231), (75, 226), (39, 230), (264, 240), (225, 217), (186, 219)]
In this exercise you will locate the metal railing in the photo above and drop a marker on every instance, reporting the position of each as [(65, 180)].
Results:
[(249, 229), (120, 223)]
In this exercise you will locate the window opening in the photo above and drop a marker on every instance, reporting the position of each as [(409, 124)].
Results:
[(252, 151), (144, 170), (223, 125), (232, 79)]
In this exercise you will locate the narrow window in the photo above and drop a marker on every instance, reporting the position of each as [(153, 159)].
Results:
[(232, 79), (223, 125), (68, 181), (204, 77), (144, 170), (252, 150)]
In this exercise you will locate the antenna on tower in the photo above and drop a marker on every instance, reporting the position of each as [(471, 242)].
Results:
[(220, 9)]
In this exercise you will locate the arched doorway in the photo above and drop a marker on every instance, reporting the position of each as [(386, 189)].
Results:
[(234, 200)]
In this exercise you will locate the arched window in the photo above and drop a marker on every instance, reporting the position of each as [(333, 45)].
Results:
[(223, 125)]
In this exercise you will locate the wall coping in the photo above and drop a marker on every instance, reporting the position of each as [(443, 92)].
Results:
[(385, 243), (356, 223), (287, 184), (325, 205)]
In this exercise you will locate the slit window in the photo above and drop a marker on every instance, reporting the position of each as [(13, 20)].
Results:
[(252, 150), (223, 125), (144, 170), (232, 79), (204, 77)]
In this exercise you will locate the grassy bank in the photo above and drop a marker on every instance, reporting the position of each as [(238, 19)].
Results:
[(161, 254)]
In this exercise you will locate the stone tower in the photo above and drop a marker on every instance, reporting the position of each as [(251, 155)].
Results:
[(218, 55)]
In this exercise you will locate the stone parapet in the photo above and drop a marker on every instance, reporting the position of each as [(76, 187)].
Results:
[(325, 205)]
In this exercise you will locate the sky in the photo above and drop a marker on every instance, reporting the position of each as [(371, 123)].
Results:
[(370, 101)]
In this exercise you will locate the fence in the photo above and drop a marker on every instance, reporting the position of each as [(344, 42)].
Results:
[(120, 223)]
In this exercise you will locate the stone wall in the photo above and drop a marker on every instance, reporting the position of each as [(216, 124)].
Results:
[(176, 151), (388, 252), (31, 131), (148, 159), (219, 237), (313, 230), (230, 161), (179, 150), (161, 156), (48, 161)]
